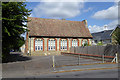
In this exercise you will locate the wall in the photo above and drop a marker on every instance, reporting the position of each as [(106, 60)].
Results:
[(31, 46), (107, 41)]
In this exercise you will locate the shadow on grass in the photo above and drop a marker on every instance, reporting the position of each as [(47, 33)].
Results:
[(15, 57)]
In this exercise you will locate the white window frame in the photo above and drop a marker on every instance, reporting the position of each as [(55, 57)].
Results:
[(38, 44), (63, 44), (51, 44), (74, 43)]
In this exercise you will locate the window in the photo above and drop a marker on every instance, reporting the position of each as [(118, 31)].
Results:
[(63, 44), (74, 43), (38, 44), (51, 44)]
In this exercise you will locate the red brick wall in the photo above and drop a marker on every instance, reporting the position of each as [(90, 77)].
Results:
[(26, 43)]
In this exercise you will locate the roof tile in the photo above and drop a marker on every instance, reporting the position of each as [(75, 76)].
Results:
[(55, 27)]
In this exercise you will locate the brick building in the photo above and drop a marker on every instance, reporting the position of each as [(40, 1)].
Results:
[(52, 36)]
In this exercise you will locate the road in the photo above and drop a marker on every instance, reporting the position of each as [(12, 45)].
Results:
[(107, 73)]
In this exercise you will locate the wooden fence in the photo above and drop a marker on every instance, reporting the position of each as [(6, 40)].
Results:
[(108, 50)]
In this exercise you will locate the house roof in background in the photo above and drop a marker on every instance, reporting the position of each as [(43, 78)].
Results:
[(118, 26), (103, 35), (58, 28)]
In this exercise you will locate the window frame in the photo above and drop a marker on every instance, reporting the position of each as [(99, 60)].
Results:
[(39, 46), (74, 43), (63, 45), (51, 44)]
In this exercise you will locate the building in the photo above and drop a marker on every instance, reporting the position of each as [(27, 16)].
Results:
[(117, 29), (52, 36), (103, 36)]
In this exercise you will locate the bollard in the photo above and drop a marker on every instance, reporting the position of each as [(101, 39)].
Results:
[(53, 58)]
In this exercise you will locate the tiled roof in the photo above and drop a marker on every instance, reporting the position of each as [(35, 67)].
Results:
[(58, 28), (103, 35), (106, 35)]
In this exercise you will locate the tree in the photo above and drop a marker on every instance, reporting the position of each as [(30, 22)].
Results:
[(14, 15), (85, 43), (116, 35), (100, 43)]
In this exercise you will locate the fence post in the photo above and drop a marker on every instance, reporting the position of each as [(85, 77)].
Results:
[(53, 58), (78, 59), (87, 49), (118, 53), (103, 58), (116, 58)]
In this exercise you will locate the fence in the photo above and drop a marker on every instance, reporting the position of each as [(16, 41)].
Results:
[(88, 55), (109, 50)]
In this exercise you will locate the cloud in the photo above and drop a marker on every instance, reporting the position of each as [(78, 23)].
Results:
[(72, 0), (109, 14), (58, 9), (96, 28), (62, 0), (57, 0), (113, 24), (89, 9), (116, 1)]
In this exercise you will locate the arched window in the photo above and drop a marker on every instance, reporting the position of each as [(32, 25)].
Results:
[(74, 43), (38, 44), (63, 44), (51, 44)]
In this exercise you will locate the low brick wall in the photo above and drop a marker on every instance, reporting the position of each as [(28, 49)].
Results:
[(45, 53)]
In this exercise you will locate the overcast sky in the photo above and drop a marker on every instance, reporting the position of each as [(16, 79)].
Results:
[(98, 14)]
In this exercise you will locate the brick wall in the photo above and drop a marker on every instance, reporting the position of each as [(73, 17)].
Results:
[(26, 43)]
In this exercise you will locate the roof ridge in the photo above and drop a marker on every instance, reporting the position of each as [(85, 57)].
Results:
[(53, 19), (102, 31)]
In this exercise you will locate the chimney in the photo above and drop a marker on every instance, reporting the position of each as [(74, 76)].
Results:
[(85, 22), (105, 27), (63, 19)]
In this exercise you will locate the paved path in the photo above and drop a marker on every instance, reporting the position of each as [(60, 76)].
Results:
[(82, 67), (107, 73)]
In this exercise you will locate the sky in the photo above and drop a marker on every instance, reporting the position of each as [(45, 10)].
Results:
[(97, 14)]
